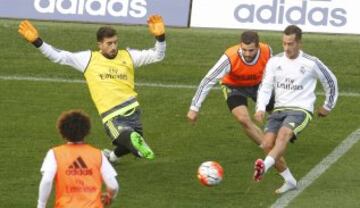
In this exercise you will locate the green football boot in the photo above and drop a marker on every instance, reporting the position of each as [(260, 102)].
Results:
[(140, 145)]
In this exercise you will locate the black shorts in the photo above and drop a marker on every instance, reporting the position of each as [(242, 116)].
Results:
[(237, 96)]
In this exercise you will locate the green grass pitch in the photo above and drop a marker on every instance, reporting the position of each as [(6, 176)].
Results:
[(29, 109)]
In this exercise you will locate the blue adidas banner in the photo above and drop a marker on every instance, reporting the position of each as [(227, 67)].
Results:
[(175, 13)]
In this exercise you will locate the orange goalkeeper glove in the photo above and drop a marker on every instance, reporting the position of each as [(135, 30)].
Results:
[(156, 25), (28, 31)]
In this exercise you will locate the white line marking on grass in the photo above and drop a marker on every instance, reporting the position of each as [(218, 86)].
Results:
[(59, 80), (319, 169), (41, 79), (143, 84)]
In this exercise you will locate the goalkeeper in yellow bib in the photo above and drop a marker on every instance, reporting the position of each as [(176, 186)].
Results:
[(109, 74)]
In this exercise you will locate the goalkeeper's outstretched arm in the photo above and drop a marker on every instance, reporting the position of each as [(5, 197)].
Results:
[(78, 60), (157, 53)]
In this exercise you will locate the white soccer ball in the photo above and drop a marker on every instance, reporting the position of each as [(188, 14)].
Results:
[(210, 173)]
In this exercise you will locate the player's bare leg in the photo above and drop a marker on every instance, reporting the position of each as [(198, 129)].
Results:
[(241, 114), (282, 139), (267, 145), (253, 131), (280, 165)]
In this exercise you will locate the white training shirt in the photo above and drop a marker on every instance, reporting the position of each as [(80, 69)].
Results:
[(294, 82), (217, 72), (80, 60), (49, 168)]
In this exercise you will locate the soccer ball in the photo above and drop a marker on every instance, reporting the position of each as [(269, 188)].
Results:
[(210, 173)]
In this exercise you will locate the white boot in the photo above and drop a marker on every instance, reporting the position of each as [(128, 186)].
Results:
[(287, 186)]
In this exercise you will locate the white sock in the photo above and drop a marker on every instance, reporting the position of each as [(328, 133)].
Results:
[(269, 162), (288, 177), (113, 157)]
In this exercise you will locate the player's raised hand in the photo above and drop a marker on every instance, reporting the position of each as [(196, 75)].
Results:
[(156, 25), (28, 31)]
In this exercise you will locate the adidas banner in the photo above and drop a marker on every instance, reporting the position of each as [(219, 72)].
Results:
[(325, 16), (175, 13)]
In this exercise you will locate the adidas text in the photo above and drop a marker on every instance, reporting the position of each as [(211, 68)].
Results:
[(116, 8), (303, 14)]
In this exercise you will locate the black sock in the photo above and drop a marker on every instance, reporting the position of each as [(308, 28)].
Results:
[(124, 144), (120, 150)]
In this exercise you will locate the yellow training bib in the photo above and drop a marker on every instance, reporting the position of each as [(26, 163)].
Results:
[(110, 81)]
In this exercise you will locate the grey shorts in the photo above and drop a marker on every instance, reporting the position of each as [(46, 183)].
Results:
[(119, 123), (293, 118)]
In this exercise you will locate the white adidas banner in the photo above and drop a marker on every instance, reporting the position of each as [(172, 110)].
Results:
[(324, 16)]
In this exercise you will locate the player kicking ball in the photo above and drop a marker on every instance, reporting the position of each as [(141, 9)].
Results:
[(292, 75)]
